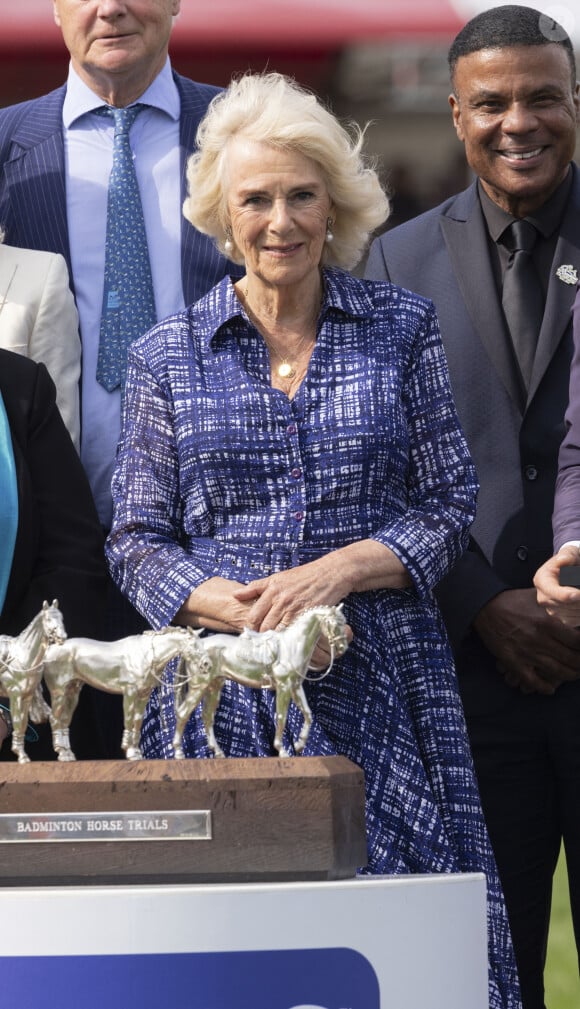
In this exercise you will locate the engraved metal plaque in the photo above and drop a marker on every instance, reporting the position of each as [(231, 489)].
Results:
[(146, 825)]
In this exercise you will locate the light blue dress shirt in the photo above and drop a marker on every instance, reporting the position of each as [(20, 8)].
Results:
[(89, 153)]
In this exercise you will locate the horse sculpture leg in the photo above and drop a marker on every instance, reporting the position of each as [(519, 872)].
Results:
[(210, 704), (289, 687), (63, 699), (130, 742), (39, 710), (299, 698), (283, 696), (19, 714), (208, 694), (134, 751), (183, 712), (204, 682)]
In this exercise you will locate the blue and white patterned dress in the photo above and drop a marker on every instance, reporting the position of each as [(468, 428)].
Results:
[(220, 474)]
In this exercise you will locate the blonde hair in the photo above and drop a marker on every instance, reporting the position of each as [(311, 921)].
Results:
[(271, 108)]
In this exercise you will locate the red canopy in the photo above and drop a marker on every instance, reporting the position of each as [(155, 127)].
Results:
[(278, 24), (214, 38), (281, 24)]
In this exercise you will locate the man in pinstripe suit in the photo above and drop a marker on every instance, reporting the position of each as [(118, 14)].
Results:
[(55, 161)]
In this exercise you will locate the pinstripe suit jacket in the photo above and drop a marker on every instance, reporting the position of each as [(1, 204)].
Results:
[(32, 183)]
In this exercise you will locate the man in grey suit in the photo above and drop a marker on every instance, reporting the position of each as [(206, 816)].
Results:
[(515, 107), (56, 154)]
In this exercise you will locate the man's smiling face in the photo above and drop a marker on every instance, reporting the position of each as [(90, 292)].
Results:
[(516, 110)]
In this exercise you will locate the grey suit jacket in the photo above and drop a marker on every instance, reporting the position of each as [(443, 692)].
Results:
[(514, 441), (32, 182)]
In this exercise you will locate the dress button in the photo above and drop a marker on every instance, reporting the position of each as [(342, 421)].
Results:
[(522, 553), (291, 429), (299, 516), (296, 472), (531, 473)]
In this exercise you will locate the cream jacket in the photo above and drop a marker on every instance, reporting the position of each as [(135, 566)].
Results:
[(38, 318)]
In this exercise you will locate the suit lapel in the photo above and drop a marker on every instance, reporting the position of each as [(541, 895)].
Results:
[(560, 296), (202, 266), (465, 236), (188, 124), (8, 271), (36, 178), (193, 108)]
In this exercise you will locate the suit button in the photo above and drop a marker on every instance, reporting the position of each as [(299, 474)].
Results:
[(522, 553), (531, 473)]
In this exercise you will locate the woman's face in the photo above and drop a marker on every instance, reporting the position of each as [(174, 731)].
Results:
[(278, 206)]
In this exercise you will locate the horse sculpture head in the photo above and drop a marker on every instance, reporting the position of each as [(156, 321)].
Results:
[(193, 649), (194, 667), (333, 626), (52, 623)]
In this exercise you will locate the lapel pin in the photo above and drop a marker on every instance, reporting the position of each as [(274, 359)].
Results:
[(568, 274)]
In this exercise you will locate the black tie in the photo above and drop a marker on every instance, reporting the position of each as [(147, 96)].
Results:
[(522, 299)]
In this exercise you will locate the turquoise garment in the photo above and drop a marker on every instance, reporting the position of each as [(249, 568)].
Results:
[(8, 503)]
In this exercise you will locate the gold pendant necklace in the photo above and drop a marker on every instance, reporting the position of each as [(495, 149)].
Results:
[(286, 369)]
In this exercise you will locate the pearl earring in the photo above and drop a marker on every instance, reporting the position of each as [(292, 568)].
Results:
[(228, 244), (329, 237)]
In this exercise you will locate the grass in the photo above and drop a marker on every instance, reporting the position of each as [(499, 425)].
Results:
[(561, 977)]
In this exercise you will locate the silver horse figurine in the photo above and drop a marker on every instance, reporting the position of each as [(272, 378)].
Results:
[(21, 668), (131, 666), (273, 660)]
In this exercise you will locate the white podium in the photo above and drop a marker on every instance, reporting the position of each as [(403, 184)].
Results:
[(404, 942)]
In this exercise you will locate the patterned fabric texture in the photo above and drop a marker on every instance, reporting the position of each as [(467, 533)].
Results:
[(219, 474), (128, 299)]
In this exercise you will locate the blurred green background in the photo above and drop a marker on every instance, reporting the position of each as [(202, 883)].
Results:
[(561, 978)]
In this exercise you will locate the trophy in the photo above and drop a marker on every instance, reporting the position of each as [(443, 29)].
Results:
[(133, 666), (248, 819)]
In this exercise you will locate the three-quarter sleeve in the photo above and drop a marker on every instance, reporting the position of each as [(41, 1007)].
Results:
[(432, 533)]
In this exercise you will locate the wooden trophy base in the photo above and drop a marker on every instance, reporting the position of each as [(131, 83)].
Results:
[(181, 821)]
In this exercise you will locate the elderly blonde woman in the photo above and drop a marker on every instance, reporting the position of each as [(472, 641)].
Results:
[(289, 441)]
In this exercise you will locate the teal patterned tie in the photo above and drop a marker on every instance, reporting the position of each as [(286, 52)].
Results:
[(128, 300)]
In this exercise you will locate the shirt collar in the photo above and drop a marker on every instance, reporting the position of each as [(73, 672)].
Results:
[(546, 219), (221, 307), (347, 294), (79, 99)]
